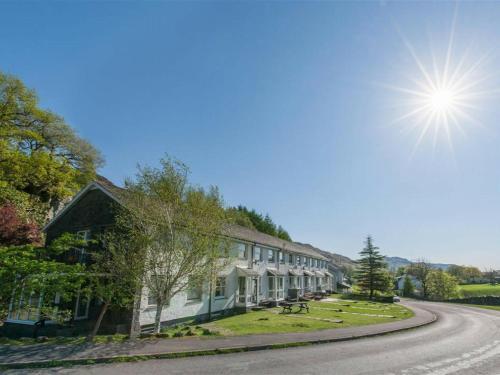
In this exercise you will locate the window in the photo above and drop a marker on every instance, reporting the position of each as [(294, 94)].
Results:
[(220, 287), (241, 248), (270, 286), (242, 289), (290, 258), (151, 299), (297, 260), (293, 282), (194, 291), (257, 253), (270, 255), (79, 255), (25, 306), (82, 307), (281, 257), (275, 287), (281, 289)]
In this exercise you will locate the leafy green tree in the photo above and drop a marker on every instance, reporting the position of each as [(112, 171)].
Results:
[(421, 270), (371, 274), (42, 159), (28, 269), (182, 227), (400, 271), (117, 270), (252, 219), (441, 285), (408, 287), (283, 234)]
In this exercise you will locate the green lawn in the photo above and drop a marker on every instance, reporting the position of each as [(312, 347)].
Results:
[(323, 315), (472, 290)]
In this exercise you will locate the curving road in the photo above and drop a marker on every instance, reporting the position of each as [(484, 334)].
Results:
[(464, 340)]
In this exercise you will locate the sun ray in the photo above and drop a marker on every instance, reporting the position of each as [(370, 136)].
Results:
[(444, 97)]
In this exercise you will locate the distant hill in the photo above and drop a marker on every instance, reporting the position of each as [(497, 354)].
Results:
[(395, 262)]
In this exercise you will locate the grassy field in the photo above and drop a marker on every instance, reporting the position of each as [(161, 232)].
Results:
[(488, 307), (322, 315), (472, 290)]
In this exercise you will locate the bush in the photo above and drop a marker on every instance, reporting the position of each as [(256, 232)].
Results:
[(178, 334)]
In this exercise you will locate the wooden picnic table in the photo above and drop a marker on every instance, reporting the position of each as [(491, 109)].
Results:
[(287, 306)]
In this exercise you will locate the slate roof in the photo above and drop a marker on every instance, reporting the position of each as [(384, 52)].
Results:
[(251, 235), (234, 231), (108, 185)]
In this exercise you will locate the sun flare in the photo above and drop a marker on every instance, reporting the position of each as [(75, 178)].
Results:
[(443, 96), (442, 100)]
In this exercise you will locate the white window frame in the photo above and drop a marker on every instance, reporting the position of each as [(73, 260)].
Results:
[(20, 302), (271, 259), (220, 287), (199, 294), (241, 254), (255, 259), (83, 235), (87, 306)]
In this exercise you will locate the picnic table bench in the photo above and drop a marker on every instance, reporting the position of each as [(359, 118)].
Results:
[(287, 306)]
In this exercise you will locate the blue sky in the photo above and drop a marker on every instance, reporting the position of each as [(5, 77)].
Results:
[(283, 106)]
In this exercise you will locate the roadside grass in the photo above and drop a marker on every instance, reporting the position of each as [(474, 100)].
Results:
[(339, 313), (476, 290), (484, 307)]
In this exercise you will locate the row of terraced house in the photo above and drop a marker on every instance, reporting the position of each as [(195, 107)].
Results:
[(264, 269)]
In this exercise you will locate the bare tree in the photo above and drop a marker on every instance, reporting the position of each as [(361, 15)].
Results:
[(421, 269), (183, 227)]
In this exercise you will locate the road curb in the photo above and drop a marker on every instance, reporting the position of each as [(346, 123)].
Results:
[(202, 352)]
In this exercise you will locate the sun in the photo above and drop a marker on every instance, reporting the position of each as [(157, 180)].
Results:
[(442, 96), (442, 100)]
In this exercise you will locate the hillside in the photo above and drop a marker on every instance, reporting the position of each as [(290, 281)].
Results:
[(395, 262)]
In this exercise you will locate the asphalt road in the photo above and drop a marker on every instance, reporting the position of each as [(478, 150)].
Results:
[(463, 341)]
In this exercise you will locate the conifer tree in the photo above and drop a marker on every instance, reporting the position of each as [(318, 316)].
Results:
[(372, 270)]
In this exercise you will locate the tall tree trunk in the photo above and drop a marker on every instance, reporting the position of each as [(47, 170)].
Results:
[(135, 326), (97, 324), (210, 300), (159, 308)]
